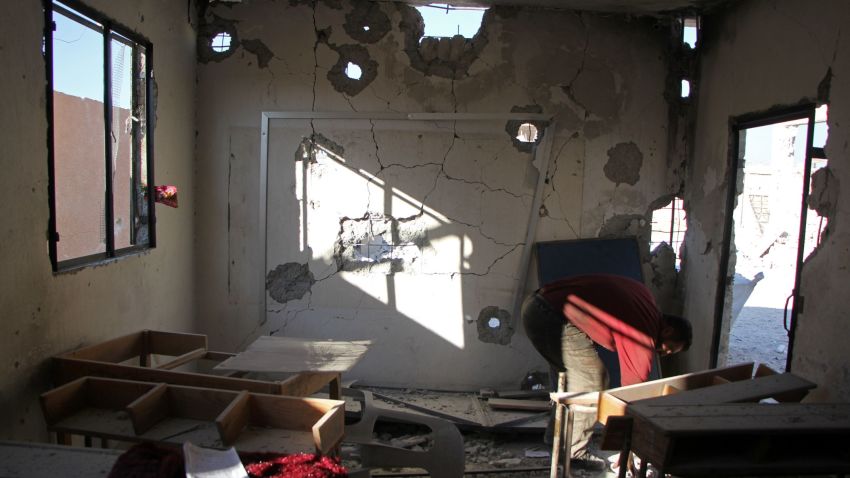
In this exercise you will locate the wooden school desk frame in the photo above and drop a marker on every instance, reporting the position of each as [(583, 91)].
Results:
[(130, 357)]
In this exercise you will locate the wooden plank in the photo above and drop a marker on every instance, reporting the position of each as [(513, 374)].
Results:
[(670, 390), (307, 383), (289, 412), (745, 418), (149, 409), (329, 430), (174, 343), (287, 354), (113, 394), (615, 432), (509, 404), (741, 391), (115, 350), (575, 398), (63, 401), (183, 359), (609, 406), (689, 381), (234, 418), (67, 369), (218, 356), (199, 403)]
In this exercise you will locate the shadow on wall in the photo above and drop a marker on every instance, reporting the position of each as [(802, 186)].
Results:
[(396, 224)]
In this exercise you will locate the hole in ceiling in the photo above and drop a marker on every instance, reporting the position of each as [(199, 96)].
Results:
[(221, 42), (353, 71), (527, 133), (686, 89), (444, 20), (365, 28), (494, 323)]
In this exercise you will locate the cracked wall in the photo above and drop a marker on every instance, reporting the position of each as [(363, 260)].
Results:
[(412, 229), (815, 47)]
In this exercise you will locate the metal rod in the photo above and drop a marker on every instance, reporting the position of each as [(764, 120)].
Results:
[(109, 207), (542, 156)]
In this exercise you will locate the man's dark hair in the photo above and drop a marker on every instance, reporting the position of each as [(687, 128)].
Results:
[(682, 330)]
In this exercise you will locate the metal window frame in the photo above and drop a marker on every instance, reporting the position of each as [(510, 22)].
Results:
[(736, 125), (541, 156), (109, 30)]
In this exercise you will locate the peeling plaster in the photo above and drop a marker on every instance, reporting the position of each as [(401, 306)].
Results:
[(823, 197), (625, 225), (443, 57), (290, 281), (624, 163), (495, 325), (260, 50)]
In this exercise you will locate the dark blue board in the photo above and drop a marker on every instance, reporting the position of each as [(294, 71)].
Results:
[(620, 256)]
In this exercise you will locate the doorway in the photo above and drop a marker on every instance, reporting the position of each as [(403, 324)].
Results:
[(770, 233)]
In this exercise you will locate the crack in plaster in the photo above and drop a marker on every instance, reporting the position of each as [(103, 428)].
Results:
[(568, 89), (554, 190)]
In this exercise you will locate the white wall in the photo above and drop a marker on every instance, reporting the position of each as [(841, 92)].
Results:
[(757, 55), (45, 313)]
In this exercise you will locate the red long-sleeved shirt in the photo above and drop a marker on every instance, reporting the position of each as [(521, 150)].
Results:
[(617, 313)]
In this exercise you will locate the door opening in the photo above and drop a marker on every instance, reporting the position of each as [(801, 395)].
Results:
[(770, 233)]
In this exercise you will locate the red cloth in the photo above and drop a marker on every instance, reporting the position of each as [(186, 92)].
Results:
[(617, 313)]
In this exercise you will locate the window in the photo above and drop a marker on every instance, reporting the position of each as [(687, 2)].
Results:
[(100, 137)]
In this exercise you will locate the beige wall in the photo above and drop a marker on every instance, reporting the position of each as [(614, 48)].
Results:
[(758, 55), (601, 77), (45, 313)]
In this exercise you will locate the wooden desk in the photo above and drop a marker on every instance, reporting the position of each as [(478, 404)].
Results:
[(114, 359), (742, 439)]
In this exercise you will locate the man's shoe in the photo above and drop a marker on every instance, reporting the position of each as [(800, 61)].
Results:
[(589, 461)]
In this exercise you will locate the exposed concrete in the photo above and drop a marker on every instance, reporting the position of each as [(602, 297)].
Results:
[(44, 313), (495, 325), (260, 50), (366, 22), (443, 57), (624, 163), (823, 197), (289, 281)]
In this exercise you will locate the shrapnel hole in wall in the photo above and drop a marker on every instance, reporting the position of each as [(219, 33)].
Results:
[(221, 42), (353, 71)]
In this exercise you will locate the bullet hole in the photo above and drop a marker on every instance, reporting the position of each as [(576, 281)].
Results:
[(353, 71), (217, 39), (527, 133), (445, 21), (367, 22), (221, 42), (495, 325), (686, 89), (17, 364)]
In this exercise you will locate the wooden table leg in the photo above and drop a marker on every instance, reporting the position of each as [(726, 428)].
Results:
[(626, 451)]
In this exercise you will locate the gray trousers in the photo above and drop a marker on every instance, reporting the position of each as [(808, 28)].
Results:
[(566, 348)]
